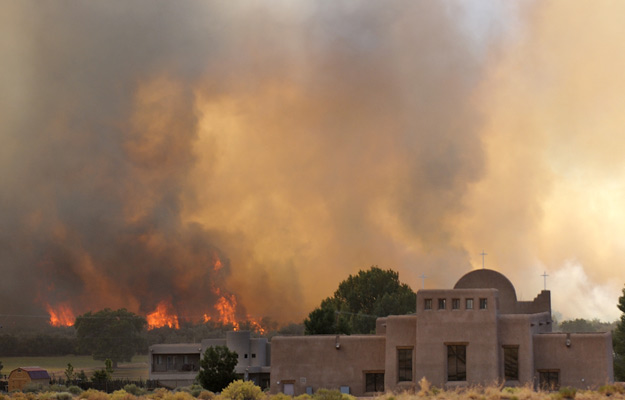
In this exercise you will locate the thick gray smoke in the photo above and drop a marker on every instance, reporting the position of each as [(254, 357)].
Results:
[(145, 143)]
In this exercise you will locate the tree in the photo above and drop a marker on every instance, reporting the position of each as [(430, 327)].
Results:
[(69, 372), (618, 341), (359, 300), (217, 368), (115, 335)]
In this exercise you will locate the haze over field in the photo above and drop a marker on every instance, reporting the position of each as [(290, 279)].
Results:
[(252, 154)]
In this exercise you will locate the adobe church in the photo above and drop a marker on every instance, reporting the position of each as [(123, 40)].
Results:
[(475, 333)]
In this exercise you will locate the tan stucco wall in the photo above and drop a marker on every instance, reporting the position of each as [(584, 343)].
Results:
[(586, 363), (519, 330), (476, 328), (314, 361), (401, 332)]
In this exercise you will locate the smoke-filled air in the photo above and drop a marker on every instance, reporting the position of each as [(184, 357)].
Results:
[(192, 160)]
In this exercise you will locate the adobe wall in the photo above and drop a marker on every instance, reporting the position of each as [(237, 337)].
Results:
[(519, 330), (585, 363), (316, 362), (542, 303), (475, 328), (401, 332)]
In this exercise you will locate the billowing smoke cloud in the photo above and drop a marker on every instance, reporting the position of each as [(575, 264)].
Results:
[(294, 143)]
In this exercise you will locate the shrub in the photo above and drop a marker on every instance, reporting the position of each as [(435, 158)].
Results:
[(122, 395), (193, 390), (75, 390), (64, 396), (206, 395), (159, 393), (567, 393), (134, 390), (609, 390), (240, 390), (93, 394), (424, 384), (32, 388), (304, 396), (326, 394), (56, 388), (282, 396)]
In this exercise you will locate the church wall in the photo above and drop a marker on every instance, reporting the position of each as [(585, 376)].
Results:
[(401, 332), (475, 328), (586, 362), (316, 362), (519, 330)]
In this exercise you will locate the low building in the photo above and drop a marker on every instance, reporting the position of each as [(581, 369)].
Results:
[(176, 365), (474, 334), (20, 377)]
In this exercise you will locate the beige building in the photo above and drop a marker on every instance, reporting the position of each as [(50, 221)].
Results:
[(176, 365), (20, 377), (475, 333)]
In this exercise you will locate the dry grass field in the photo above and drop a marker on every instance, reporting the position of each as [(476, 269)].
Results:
[(135, 370)]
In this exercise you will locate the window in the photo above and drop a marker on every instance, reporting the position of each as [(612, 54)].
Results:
[(442, 304), (511, 362), (374, 382), (427, 304), (253, 355), (245, 355), (483, 304), (469, 304), (549, 379), (456, 362), (455, 304), (404, 367)]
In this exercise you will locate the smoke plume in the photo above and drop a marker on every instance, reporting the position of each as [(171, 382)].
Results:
[(182, 152)]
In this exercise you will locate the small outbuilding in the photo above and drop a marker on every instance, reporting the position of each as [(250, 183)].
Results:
[(20, 377)]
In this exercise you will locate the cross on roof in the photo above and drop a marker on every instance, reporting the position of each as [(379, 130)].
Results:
[(423, 281), (483, 254), (544, 275)]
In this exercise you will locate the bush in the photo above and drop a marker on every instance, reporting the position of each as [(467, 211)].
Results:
[(282, 396), (240, 390), (567, 393), (193, 390), (56, 388), (121, 395), (609, 390), (206, 395), (32, 388), (326, 394), (64, 396), (75, 390), (93, 394), (304, 396), (134, 390)]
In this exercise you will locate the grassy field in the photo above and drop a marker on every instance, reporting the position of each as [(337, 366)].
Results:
[(135, 370)]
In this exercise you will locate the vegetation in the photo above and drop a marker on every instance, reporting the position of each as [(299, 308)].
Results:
[(359, 300), (618, 337), (108, 334), (240, 390), (217, 368)]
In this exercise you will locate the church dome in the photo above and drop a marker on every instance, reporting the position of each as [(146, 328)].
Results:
[(489, 279)]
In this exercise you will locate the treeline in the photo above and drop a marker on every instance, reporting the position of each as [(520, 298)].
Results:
[(63, 341), (12, 345)]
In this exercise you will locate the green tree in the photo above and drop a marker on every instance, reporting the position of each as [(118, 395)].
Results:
[(618, 341), (115, 335), (69, 372), (359, 300), (218, 365)]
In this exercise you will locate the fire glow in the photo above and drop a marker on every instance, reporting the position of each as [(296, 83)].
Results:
[(61, 316), (162, 317)]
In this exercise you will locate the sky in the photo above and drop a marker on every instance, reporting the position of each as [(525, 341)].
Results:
[(182, 152)]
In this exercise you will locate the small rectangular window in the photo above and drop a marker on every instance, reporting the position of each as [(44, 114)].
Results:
[(374, 382), (469, 304), (455, 304), (404, 365), (511, 362), (253, 355), (483, 304), (442, 304), (427, 304), (245, 356), (549, 379)]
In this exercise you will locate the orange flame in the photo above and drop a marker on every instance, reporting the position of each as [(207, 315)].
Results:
[(226, 306), (62, 316), (218, 265), (161, 317)]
